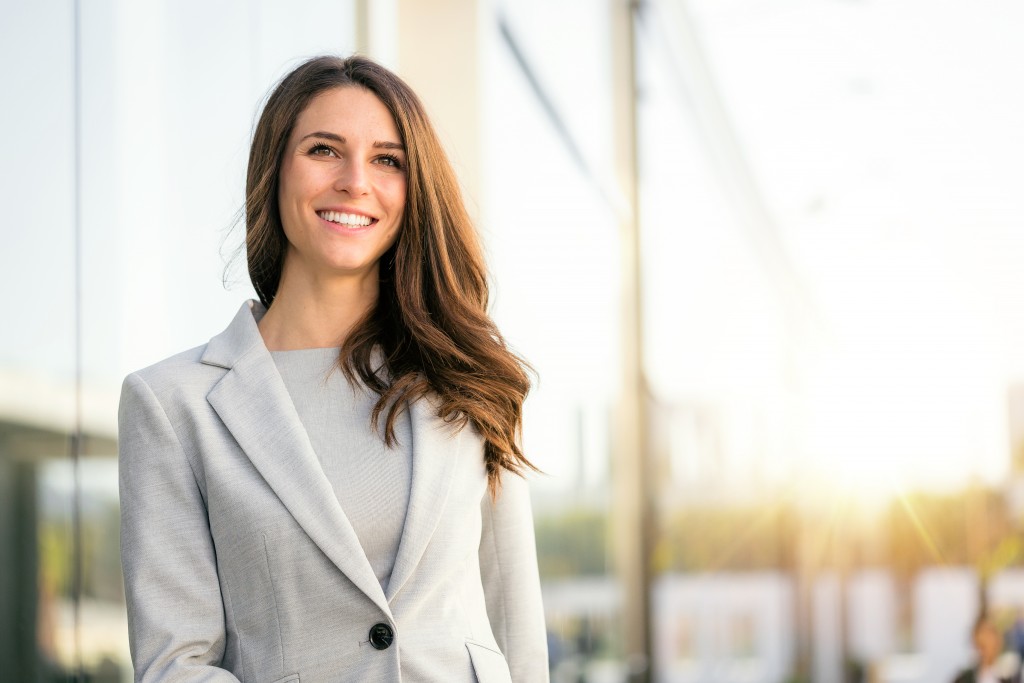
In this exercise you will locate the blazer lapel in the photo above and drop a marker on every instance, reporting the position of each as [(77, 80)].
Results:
[(435, 446), (254, 404)]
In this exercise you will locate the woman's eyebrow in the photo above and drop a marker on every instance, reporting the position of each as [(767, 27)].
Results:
[(341, 140), (323, 134)]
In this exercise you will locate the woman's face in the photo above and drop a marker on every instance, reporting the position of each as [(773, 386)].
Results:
[(342, 185)]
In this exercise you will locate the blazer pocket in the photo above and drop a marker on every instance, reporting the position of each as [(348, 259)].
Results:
[(489, 664), (290, 678)]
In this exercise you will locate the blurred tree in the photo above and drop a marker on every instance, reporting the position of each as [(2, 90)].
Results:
[(573, 543), (972, 527)]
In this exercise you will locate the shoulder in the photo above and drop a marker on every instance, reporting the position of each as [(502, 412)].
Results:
[(171, 364), (163, 404), (172, 387), (194, 371), (180, 378)]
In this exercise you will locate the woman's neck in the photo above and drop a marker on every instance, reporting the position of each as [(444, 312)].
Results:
[(315, 312)]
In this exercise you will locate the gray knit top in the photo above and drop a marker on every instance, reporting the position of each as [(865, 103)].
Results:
[(370, 480)]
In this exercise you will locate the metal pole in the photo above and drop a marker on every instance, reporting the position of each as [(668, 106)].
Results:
[(77, 549)]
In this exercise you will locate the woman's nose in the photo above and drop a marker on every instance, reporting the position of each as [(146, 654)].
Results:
[(353, 178)]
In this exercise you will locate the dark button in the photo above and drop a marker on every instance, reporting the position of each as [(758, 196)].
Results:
[(381, 636)]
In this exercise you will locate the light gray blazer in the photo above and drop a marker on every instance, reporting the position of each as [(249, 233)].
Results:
[(240, 564)]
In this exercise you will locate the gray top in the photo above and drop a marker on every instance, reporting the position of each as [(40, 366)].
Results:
[(370, 480)]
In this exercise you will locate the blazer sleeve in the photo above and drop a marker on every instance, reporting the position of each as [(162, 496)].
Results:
[(508, 568), (175, 610)]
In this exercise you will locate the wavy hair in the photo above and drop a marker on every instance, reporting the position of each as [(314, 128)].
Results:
[(430, 321)]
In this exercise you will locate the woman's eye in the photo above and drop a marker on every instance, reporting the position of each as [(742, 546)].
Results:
[(389, 160), (321, 150)]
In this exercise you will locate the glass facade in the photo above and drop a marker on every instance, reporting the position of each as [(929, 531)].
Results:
[(40, 571)]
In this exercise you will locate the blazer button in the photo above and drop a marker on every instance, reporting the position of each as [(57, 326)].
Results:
[(381, 636)]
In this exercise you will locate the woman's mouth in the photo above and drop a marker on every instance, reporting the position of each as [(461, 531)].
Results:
[(348, 220)]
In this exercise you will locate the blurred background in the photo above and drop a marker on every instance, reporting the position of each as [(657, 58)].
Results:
[(765, 255)]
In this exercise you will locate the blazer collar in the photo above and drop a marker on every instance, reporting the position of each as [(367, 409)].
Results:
[(253, 402), (240, 337)]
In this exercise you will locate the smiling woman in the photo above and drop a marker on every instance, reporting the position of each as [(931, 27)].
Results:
[(341, 194), (282, 521)]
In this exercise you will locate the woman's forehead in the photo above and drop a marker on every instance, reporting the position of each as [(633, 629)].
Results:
[(347, 111)]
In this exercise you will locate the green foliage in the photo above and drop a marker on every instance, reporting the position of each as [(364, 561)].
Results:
[(727, 539), (573, 543)]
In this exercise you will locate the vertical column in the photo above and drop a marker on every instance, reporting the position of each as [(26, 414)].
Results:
[(631, 491), (439, 55), (377, 30)]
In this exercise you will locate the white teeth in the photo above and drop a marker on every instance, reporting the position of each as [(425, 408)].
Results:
[(345, 218)]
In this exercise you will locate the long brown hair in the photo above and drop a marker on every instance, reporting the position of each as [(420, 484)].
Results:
[(430, 320)]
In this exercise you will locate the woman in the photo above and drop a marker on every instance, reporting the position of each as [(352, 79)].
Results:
[(323, 492)]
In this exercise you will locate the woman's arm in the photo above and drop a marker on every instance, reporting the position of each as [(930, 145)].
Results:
[(175, 609), (508, 567)]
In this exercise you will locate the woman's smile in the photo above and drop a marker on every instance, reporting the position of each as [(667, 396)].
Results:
[(351, 221)]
